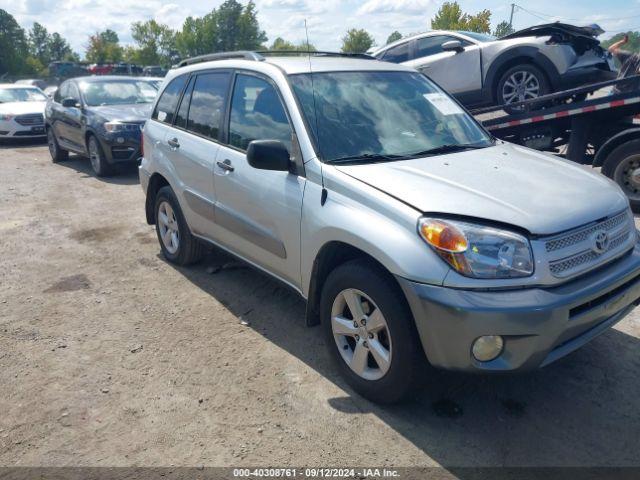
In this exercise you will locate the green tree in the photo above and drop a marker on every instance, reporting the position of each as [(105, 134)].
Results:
[(104, 47), (59, 49), (198, 36), (14, 47), (156, 43), (503, 29), (451, 17), (357, 41), (282, 44), (250, 37), (39, 43), (394, 37)]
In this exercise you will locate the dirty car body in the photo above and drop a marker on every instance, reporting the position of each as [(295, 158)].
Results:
[(481, 70), (421, 236)]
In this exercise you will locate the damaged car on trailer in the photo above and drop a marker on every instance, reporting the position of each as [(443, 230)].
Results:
[(481, 70)]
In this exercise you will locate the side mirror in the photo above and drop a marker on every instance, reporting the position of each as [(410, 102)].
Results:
[(70, 102), (268, 155), (453, 46)]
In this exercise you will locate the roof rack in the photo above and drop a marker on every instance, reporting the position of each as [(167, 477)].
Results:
[(260, 56), (210, 57), (317, 53)]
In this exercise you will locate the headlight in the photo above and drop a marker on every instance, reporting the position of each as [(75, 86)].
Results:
[(113, 127), (478, 251), (5, 118)]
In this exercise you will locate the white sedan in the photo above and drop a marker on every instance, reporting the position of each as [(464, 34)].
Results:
[(21, 111)]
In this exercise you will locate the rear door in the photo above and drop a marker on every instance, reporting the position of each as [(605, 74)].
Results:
[(457, 72), (193, 144), (258, 211)]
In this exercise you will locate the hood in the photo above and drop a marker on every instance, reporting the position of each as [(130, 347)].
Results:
[(564, 30), (505, 183), (139, 112), (22, 108)]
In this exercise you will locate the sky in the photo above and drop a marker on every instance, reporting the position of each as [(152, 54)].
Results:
[(327, 20)]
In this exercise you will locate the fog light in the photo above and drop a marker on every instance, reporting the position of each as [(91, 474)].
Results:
[(487, 348)]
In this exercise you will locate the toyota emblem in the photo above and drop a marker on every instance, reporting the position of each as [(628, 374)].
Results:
[(600, 242)]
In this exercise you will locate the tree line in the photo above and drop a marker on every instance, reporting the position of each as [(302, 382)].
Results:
[(231, 26)]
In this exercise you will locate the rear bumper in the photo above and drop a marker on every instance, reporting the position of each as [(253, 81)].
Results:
[(538, 325)]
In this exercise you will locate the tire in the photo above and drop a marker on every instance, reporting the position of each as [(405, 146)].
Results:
[(183, 248), (57, 153), (97, 158), (379, 294), (521, 76), (622, 166)]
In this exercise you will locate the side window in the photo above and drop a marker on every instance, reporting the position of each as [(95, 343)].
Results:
[(257, 113), (62, 92), (183, 111), (166, 107), (397, 54), (432, 45), (207, 104), (73, 91)]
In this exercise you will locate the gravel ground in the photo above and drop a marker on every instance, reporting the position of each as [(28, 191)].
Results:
[(109, 356)]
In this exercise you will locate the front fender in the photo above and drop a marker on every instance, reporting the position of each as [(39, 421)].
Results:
[(370, 220)]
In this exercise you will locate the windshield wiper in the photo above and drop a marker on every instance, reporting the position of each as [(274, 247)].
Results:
[(448, 148), (367, 158)]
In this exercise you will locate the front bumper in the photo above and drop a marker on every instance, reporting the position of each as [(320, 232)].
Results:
[(121, 147), (12, 129), (539, 325)]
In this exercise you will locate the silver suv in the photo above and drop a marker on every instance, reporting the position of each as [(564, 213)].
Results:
[(410, 231)]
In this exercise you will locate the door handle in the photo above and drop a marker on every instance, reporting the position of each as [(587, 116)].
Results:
[(173, 143), (226, 165)]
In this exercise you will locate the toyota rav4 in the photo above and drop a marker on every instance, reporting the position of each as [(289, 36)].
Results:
[(413, 234)]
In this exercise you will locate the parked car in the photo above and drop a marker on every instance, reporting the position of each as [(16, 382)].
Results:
[(100, 69), (481, 70), (62, 69), (33, 82), (126, 69), (21, 111), (154, 71), (100, 117), (410, 231)]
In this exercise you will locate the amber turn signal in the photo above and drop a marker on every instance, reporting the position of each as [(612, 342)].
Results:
[(443, 236)]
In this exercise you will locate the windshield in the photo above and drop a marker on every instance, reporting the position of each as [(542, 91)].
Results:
[(481, 37), (118, 92), (8, 95), (392, 114)]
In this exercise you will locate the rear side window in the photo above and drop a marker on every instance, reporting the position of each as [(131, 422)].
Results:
[(183, 111), (207, 104), (397, 54), (166, 107), (257, 113)]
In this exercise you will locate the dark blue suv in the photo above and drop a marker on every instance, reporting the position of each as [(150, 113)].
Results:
[(99, 117)]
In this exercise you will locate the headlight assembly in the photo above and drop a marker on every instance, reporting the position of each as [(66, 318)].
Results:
[(478, 251), (115, 127)]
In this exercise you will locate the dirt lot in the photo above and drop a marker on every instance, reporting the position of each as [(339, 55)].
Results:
[(110, 356)]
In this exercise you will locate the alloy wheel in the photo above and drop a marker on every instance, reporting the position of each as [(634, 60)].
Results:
[(94, 154), (520, 86), (361, 334), (169, 230), (51, 141)]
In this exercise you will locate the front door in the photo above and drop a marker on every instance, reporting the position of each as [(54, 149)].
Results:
[(258, 211)]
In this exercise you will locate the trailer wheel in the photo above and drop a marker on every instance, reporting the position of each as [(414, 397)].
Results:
[(623, 167)]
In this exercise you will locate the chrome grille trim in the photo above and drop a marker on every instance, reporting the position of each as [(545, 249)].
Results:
[(572, 238), (30, 119), (567, 266)]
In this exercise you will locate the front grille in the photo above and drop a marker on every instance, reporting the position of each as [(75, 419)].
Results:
[(587, 257), (31, 119), (575, 252), (584, 234)]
